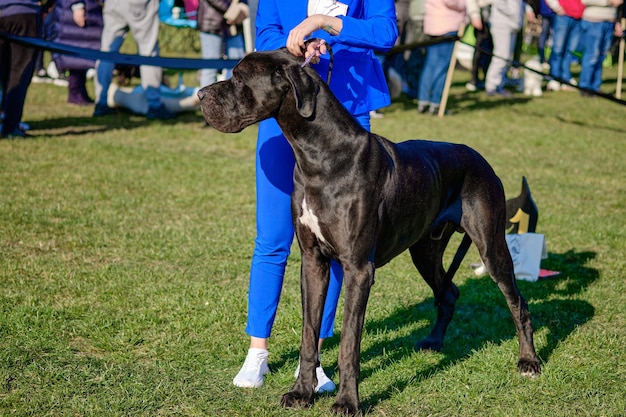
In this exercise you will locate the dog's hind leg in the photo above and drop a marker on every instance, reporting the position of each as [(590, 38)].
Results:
[(498, 261), (427, 256), (491, 244)]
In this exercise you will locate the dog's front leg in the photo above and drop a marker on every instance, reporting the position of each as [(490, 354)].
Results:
[(314, 278), (357, 281)]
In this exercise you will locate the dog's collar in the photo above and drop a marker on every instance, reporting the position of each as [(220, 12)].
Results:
[(307, 60)]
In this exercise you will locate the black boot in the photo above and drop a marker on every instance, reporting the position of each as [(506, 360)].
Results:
[(77, 92)]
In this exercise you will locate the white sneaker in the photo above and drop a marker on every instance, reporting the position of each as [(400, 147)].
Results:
[(254, 367), (324, 383), (571, 86), (553, 85), (52, 70)]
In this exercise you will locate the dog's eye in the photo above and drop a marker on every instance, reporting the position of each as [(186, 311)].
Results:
[(276, 75)]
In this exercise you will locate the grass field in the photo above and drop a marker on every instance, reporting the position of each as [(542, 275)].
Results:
[(125, 246)]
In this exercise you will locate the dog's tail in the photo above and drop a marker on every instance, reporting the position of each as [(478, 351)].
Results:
[(464, 246)]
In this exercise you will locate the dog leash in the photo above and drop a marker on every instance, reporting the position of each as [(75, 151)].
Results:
[(308, 59)]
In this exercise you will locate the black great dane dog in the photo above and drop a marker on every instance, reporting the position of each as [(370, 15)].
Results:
[(362, 200)]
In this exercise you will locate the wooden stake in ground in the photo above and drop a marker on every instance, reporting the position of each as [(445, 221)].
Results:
[(446, 87), (620, 66)]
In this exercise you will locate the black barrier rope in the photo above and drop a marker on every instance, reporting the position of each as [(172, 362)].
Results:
[(414, 45), (194, 63), (512, 62), (118, 58), (518, 64)]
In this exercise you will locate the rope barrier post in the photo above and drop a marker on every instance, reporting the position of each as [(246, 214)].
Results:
[(620, 66), (247, 35), (446, 88)]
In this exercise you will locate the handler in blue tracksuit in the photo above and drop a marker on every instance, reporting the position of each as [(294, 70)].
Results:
[(354, 30)]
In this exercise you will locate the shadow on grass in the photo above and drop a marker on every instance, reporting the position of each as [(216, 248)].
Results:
[(76, 125), (482, 317), (458, 103), (586, 124)]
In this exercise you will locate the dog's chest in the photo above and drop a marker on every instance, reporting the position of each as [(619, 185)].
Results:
[(310, 220)]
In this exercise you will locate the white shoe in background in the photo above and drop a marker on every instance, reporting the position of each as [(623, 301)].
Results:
[(553, 85)]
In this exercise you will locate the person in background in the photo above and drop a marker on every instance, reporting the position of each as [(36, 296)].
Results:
[(353, 32), (565, 35), (50, 74), (41, 75), (141, 18), (217, 34), (17, 61), (506, 21), (547, 19), (78, 23), (515, 78), (598, 24), (478, 12), (177, 100), (417, 56), (394, 64), (441, 18)]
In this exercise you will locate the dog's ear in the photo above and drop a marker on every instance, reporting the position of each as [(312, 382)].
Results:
[(305, 89)]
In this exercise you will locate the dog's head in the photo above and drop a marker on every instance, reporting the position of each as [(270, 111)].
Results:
[(261, 84)]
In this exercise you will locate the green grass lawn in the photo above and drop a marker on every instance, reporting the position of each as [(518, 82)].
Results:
[(125, 246)]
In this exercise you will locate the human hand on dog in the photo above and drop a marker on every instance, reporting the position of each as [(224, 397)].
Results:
[(313, 50), (296, 40)]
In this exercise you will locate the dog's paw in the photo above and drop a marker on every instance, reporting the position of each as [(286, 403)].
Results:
[(529, 368), (344, 407), (429, 344), (294, 399)]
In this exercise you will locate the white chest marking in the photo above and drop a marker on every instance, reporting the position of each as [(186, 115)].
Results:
[(310, 220)]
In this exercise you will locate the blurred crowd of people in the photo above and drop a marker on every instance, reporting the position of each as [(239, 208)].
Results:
[(104, 25), (565, 32)]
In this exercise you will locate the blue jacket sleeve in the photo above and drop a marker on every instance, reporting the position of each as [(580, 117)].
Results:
[(375, 28), (271, 28), (369, 24), (357, 77)]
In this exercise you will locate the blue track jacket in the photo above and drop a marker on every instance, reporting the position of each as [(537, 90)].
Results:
[(357, 78)]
